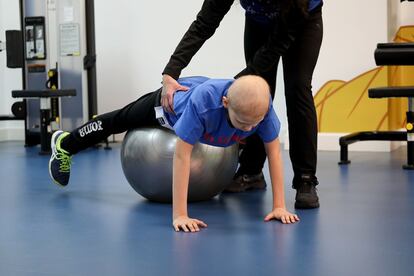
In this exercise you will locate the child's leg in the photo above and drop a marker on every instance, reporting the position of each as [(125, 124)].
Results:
[(136, 114)]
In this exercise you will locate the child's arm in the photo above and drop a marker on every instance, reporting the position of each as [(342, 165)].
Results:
[(181, 176), (276, 175)]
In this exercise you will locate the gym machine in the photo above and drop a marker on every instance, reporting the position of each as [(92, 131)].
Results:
[(18, 109), (389, 54), (55, 50)]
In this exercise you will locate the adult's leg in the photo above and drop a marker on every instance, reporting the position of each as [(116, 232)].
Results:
[(298, 66), (139, 113), (253, 155)]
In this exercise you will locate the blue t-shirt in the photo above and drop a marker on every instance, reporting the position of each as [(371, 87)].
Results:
[(267, 10), (201, 117)]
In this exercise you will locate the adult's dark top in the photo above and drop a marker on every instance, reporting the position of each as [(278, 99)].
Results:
[(262, 11)]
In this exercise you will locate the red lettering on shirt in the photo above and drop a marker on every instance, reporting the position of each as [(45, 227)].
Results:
[(222, 140)]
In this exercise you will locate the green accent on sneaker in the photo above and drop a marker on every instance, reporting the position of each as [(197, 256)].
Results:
[(62, 155), (60, 161)]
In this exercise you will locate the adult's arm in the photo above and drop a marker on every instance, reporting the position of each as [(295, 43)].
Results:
[(206, 23)]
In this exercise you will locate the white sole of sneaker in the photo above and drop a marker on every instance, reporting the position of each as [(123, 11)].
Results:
[(52, 146)]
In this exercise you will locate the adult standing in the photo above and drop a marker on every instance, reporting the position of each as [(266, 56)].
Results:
[(292, 30)]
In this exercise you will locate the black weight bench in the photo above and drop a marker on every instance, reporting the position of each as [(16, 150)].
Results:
[(44, 96), (10, 118), (388, 54)]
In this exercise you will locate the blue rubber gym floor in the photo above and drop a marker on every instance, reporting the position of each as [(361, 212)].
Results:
[(99, 226)]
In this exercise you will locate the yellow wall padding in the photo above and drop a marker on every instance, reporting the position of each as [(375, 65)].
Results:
[(345, 107)]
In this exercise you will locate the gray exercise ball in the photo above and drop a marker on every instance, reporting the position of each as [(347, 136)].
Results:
[(147, 160)]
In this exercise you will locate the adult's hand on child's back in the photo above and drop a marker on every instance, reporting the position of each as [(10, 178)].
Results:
[(187, 224), (169, 87), (283, 215)]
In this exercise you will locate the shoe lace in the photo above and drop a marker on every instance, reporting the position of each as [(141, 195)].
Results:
[(308, 185), (65, 162)]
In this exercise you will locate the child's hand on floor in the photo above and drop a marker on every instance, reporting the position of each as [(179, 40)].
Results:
[(187, 224), (283, 215)]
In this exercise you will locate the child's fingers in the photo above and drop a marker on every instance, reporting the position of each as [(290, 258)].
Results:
[(195, 227), (201, 223), (291, 218), (191, 226), (184, 227), (269, 217), (285, 217)]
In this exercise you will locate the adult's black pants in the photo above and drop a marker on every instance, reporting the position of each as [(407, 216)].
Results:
[(298, 66)]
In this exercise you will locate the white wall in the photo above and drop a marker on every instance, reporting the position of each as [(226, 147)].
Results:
[(352, 29), (407, 13), (142, 38), (394, 18), (9, 78)]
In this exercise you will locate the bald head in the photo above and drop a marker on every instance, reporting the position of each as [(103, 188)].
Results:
[(249, 96)]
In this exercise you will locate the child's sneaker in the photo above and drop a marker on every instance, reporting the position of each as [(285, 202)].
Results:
[(60, 161)]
